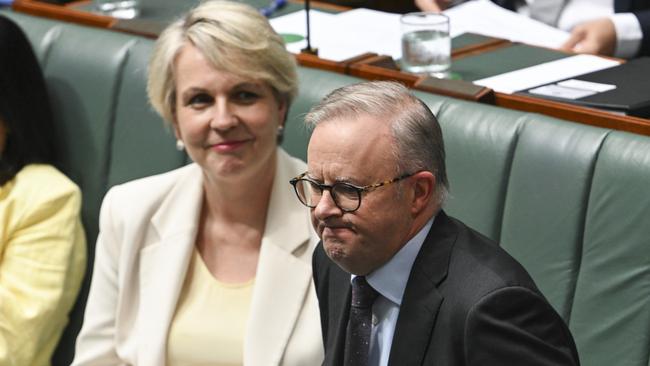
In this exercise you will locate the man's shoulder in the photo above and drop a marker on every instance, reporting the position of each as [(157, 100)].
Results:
[(479, 266)]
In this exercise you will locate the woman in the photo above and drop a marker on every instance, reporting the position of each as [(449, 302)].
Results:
[(42, 243), (210, 263)]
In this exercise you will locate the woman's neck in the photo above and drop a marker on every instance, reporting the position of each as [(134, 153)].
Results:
[(244, 200)]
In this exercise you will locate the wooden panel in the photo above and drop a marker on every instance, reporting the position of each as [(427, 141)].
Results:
[(373, 67), (62, 13), (575, 113)]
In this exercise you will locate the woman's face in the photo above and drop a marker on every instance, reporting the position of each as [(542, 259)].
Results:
[(228, 123)]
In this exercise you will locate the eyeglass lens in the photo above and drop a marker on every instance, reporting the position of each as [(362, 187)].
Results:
[(345, 196)]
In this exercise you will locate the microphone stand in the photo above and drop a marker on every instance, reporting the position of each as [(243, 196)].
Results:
[(308, 49)]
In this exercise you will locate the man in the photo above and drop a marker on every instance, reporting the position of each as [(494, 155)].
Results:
[(609, 27), (398, 281)]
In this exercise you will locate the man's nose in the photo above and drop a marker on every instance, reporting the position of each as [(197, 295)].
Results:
[(326, 207)]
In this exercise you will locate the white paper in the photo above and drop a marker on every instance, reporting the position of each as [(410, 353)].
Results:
[(559, 91), (587, 85), (344, 35), (370, 31), (485, 17), (296, 24), (546, 73)]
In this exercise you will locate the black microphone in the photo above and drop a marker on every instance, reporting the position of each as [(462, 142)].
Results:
[(308, 49)]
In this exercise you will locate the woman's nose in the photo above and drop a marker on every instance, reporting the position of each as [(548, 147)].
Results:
[(223, 117)]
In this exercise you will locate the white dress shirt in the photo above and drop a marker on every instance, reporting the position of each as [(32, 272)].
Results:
[(574, 12), (390, 282)]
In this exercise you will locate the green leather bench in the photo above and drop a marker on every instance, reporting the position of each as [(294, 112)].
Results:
[(570, 201)]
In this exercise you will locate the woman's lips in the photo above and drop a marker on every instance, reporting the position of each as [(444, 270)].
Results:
[(229, 146)]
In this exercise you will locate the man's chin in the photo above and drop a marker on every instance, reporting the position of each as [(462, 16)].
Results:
[(339, 254), (335, 249)]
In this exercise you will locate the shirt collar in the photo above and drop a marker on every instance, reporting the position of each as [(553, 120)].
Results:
[(391, 278)]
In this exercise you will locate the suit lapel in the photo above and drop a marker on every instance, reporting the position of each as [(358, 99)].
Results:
[(422, 299), (163, 264), (341, 305), (283, 277), (334, 293)]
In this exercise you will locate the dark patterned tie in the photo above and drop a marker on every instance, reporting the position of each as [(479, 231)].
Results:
[(357, 340)]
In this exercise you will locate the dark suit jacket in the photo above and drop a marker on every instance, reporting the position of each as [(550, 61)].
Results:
[(467, 302), (640, 8)]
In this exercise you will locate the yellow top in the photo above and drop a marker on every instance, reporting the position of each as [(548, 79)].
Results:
[(42, 262), (210, 321)]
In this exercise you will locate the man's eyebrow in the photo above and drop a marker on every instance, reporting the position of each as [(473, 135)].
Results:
[(338, 179)]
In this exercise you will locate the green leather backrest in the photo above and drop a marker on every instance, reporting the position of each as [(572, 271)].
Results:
[(611, 309), (569, 201), (572, 204), (314, 85), (142, 144), (546, 202)]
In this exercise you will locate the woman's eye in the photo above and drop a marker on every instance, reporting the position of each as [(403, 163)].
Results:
[(199, 100), (246, 96)]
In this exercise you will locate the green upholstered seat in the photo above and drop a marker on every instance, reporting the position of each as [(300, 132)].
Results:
[(570, 201)]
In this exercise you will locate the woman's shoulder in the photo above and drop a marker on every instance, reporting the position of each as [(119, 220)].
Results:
[(39, 190), (44, 182), (152, 190), (290, 164)]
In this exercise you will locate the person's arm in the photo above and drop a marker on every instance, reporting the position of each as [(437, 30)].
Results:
[(96, 342), (644, 21), (40, 273), (516, 326), (432, 5), (619, 35)]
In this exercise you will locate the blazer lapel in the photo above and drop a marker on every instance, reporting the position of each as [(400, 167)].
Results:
[(340, 306), (163, 264), (422, 299), (283, 278)]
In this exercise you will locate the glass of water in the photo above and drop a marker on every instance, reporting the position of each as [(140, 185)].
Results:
[(426, 45)]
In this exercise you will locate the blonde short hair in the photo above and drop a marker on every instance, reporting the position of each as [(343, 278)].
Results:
[(235, 38)]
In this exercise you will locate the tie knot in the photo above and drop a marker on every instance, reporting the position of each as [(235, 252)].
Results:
[(363, 295)]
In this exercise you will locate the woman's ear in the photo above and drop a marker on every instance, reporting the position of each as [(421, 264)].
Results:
[(283, 108)]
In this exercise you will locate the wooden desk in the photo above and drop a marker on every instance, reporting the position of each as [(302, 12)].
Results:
[(372, 67)]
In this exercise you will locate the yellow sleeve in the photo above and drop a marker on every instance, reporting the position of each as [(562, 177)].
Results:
[(42, 262)]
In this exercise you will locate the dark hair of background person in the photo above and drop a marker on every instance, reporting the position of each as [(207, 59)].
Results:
[(24, 105)]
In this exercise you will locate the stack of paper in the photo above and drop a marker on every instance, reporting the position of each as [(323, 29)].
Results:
[(545, 73), (487, 18), (343, 35), (351, 33)]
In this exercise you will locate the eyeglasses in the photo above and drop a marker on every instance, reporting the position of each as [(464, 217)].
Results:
[(346, 196)]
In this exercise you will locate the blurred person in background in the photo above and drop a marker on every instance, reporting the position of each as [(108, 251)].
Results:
[(618, 28), (42, 242)]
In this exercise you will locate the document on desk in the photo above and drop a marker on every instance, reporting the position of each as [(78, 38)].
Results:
[(293, 28), (344, 35), (485, 17), (546, 73)]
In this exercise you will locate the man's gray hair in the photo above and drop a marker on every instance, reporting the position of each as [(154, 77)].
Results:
[(416, 131)]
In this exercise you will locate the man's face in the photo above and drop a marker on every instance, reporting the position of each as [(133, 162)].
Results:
[(359, 151)]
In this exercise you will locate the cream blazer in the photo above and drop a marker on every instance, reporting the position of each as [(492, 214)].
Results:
[(147, 234)]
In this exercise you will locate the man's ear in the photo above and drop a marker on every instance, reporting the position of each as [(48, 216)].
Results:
[(423, 191)]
